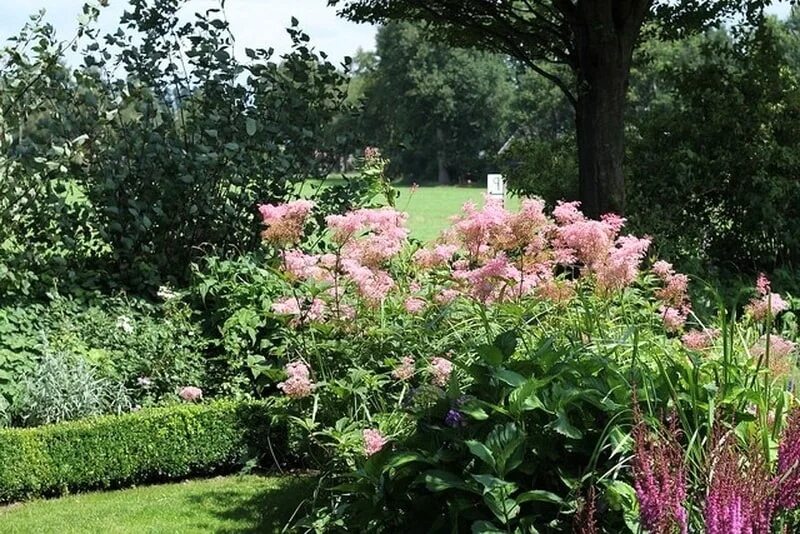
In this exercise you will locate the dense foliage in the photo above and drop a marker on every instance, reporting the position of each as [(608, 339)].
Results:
[(150, 445)]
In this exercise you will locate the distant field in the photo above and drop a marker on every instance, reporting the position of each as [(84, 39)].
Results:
[(431, 206)]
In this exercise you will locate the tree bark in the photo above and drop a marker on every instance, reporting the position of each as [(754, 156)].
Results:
[(441, 159), (605, 36)]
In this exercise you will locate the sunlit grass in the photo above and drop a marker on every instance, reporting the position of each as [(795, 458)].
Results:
[(224, 504)]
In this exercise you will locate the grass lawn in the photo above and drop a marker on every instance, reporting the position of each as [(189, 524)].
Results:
[(431, 206), (235, 504)]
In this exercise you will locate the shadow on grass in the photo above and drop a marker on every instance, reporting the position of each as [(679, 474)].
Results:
[(268, 510)]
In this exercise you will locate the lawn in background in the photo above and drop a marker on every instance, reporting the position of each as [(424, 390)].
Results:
[(430, 207), (236, 504)]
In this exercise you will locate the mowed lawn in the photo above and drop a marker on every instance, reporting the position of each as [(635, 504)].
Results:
[(236, 504), (431, 207)]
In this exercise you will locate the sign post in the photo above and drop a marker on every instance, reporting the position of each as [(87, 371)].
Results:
[(496, 188)]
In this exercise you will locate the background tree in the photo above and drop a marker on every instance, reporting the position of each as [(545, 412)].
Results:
[(437, 111), (595, 39)]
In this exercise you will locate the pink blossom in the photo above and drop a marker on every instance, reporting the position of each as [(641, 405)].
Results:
[(298, 384), (446, 296), (674, 318), (663, 269), (778, 357), (762, 284), (372, 284), (438, 256), (770, 305), (301, 266), (675, 289), (414, 305), (475, 228), (303, 311), (405, 370), (440, 369), (787, 480), (374, 441), (284, 222), (621, 266), (191, 393), (699, 339), (568, 212)]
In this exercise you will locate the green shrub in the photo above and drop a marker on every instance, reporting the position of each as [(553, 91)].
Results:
[(152, 444)]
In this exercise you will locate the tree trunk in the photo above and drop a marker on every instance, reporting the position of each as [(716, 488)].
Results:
[(441, 159), (604, 42)]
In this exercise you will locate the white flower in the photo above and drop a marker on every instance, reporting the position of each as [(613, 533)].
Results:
[(166, 293), (124, 323)]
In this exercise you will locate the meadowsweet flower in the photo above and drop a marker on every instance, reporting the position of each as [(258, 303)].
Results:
[(441, 368), (191, 393), (763, 285), (780, 361), (405, 370), (284, 222), (373, 285), (568, 212), (663, 269), (558, 292), (374, 441), (414, 305), (659, 473), (621, 266), (446, 296), (371, 153), (303, 311), (699, 339), (769, 305), (431, 258), (298, 384), (673, 318)]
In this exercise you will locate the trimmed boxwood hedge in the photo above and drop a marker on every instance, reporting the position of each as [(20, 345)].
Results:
[(148, 445)]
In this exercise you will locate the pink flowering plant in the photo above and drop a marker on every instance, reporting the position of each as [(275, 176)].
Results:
[(491, 371)]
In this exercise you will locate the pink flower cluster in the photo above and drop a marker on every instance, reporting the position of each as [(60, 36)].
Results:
[(767, 305), (284, 222), (440, 370), (674, 296), (740, 495), (598, 247), (405, 370), (787, 479), (699, 339), (302, 310), (374, 441), (191, 393), (298, 384)]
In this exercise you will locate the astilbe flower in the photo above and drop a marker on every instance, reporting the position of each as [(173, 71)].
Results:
[(767, 304), (674, 296), (787, 479), (621, 265), (284, 222), (405, 370), (699, 339), (739, 499), (190, 393), (298, 384), (659, 473), (441, 368), (585, 521), (374, 441)]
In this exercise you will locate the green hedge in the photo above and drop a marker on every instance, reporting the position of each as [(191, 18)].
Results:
[(151, 444)]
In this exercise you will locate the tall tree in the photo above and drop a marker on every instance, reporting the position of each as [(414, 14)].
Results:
[(596, 39), (437, 110)]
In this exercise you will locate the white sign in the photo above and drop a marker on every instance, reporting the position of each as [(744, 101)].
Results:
[(496, 187)]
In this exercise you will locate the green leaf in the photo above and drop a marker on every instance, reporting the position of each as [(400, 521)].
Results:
[(438, 480), (250, 126), (480, 450), (505, 443), (507, 343), (539, 496), (486, 527), (490, 354), (563, 426), (404, 458)]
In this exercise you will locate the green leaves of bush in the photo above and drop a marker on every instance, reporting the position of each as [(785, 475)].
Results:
[(153, 444)]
